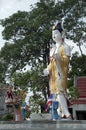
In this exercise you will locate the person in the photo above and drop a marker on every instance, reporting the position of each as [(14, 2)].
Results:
[(9, 95), (57, 69), (23, 107), (13, 101)]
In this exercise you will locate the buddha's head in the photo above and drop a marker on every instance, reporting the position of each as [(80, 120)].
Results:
[(58, 32)]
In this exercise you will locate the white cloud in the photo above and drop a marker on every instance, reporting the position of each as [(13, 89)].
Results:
[(11, 6)]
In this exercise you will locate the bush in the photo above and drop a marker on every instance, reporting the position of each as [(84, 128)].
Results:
[(8, 117)]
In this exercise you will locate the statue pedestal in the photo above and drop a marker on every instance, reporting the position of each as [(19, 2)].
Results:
[(43, 125), (40, 116)]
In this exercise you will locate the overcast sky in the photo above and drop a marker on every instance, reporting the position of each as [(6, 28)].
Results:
[(8, 7)]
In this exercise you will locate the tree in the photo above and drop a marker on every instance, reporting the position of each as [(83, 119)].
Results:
[(29, 40), (75, 22), (28, 35), (77, 67)]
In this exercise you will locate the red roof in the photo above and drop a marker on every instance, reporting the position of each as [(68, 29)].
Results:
[(79, 101), (81, 86)]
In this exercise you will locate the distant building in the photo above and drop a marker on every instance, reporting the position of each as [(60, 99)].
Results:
[(78, 109)]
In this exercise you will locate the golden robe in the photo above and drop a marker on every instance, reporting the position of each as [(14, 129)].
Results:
[(58, 70)]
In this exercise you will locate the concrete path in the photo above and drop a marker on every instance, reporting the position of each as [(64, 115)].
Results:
[(43, 125)]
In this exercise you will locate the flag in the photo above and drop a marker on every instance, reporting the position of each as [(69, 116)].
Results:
[(49, 102)]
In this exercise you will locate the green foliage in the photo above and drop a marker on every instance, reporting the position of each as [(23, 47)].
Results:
[(73, 93), (28, 38), (8, 117), (78, 64), (38, 100), (21, 79), (39, 83), (77, 67), (29, 34)]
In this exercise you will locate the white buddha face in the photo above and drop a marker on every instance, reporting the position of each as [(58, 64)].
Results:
[(56, 36)]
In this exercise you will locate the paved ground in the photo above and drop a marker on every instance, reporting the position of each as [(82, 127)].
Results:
[(43, 125)]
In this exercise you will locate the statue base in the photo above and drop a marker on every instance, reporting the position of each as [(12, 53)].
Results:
[(41, 116)]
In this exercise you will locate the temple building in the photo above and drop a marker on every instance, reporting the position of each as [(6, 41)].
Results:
[(78, 109)]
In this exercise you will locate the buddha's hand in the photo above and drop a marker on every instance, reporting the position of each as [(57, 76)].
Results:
[(46, 72)]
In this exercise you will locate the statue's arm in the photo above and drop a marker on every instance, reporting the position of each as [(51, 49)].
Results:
[(47, 70)]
